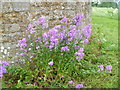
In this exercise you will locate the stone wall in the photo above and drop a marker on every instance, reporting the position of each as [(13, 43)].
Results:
[(15, 16)]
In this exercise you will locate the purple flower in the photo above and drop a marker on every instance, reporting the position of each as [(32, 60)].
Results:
[(45, 35), (2, 69), (46, 43), (31, 29), (22, 49), (57, 27), (86, 41), (75, 42), (54, 40), (87, 31), (78, 18), (39, 39), (72, 33), (77, 47), (36, 23), (65, 48), (70, 39), (81, 50), (62, 35), (22, 42), (51, 63), (52, 31), (71, 82), (4, 62), (41, 20), (79, 85), (101, 68), (51, 46), (30, 26), (79, 57), (29, 36), (72, 27), (22, 54), (79, 35), (37, 47), (64, 20), (108, 68), (1, 74), (79, 54)]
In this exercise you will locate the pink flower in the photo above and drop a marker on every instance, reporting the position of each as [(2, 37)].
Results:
[(27, 82), (51, 63), (71, 82), (99, 70), (37, 47)]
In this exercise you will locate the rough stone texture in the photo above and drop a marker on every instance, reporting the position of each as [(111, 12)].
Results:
[(15, 16)]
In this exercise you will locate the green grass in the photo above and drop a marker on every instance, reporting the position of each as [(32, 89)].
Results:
[(105, 12), (104, 29), (107, 30)]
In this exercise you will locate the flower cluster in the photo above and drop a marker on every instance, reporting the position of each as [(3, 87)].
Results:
[(108, 68), (65, 48), (66, 39), (77, 85), (63, 35), (22, 43), (79, 54), (31, 29), (78, 19), (101, 68), (2, 68)]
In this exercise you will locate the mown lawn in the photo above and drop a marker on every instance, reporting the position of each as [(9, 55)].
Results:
[(107, 30)]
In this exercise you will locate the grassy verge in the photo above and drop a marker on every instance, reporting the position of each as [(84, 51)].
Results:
[(107, 30)]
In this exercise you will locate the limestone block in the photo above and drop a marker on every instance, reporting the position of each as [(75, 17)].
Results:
[(11, 28), (0, 7), (7, 7), (21, 6)]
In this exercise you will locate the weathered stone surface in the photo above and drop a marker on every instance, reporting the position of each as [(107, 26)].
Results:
[(15, 16)]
